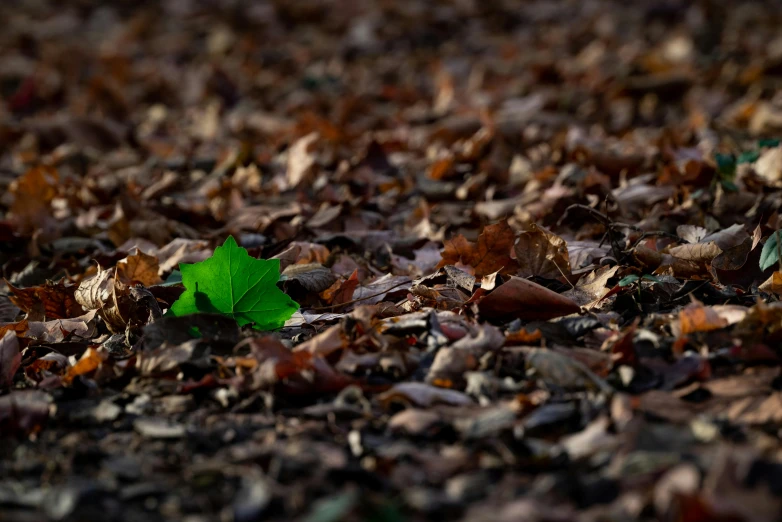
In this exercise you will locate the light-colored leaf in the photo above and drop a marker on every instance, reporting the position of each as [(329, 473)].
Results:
[(541, 253), (139, 268)]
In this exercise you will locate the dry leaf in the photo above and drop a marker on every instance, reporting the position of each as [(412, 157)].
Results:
[(541, 253), (698, 318), (301, 159), (701, 253), (10, 359), (423, 396), (773, 284), (490, 254), (33, 193), (88, 363), (139, 268), (522, 299), (55, 300), (590, 289)]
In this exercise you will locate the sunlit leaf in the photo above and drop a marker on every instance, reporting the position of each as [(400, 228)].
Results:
[(236, 285)]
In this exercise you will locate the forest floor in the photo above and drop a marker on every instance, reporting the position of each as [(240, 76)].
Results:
[(532, 247)]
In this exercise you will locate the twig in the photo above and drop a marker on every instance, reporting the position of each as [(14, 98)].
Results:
[(657, 233), (563, 274), (690, 292), (599, 215)]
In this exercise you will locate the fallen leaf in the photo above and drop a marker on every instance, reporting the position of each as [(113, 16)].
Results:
[(698, 318), (563, 371), (541, 253), (701, 253), (56, 300), (88, 363), (234, 284), (422, 395), (522, 299), (490, 254), (10, 359), (773, 284), (139, 268), (301, 159), (33, 193), (591, 288)]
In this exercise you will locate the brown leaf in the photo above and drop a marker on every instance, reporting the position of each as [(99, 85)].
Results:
[(10, 359), (139, 268), (119, 305), (740, 265), (94, 292), (522, 299), (773, 284), (33, 193), (541, 253), (591, 288), (451, 362), (727, 238), (490, 254), (19, 328), (691, 233), (181, 250), (342, 291), (300, 372), (701, 253), (422, 395), (89, 362), (325, 343), (55, 299), (523, 337), (699, 318)]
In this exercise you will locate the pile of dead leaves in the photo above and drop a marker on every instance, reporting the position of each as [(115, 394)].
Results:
[(534, 247)]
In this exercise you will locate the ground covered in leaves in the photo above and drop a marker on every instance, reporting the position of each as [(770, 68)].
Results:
[(533, 247)]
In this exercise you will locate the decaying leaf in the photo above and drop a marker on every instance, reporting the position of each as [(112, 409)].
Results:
[(139, 268), (50, 300), (10, 359), (33, 193), (522, 299), (491, 253), (119, 305), (541, 253)]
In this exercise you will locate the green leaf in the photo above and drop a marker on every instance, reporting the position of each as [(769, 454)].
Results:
[(748, 157), (236, 285), (726, 166), (772, 142), (770, 253), (651, 278), (627, 281)]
